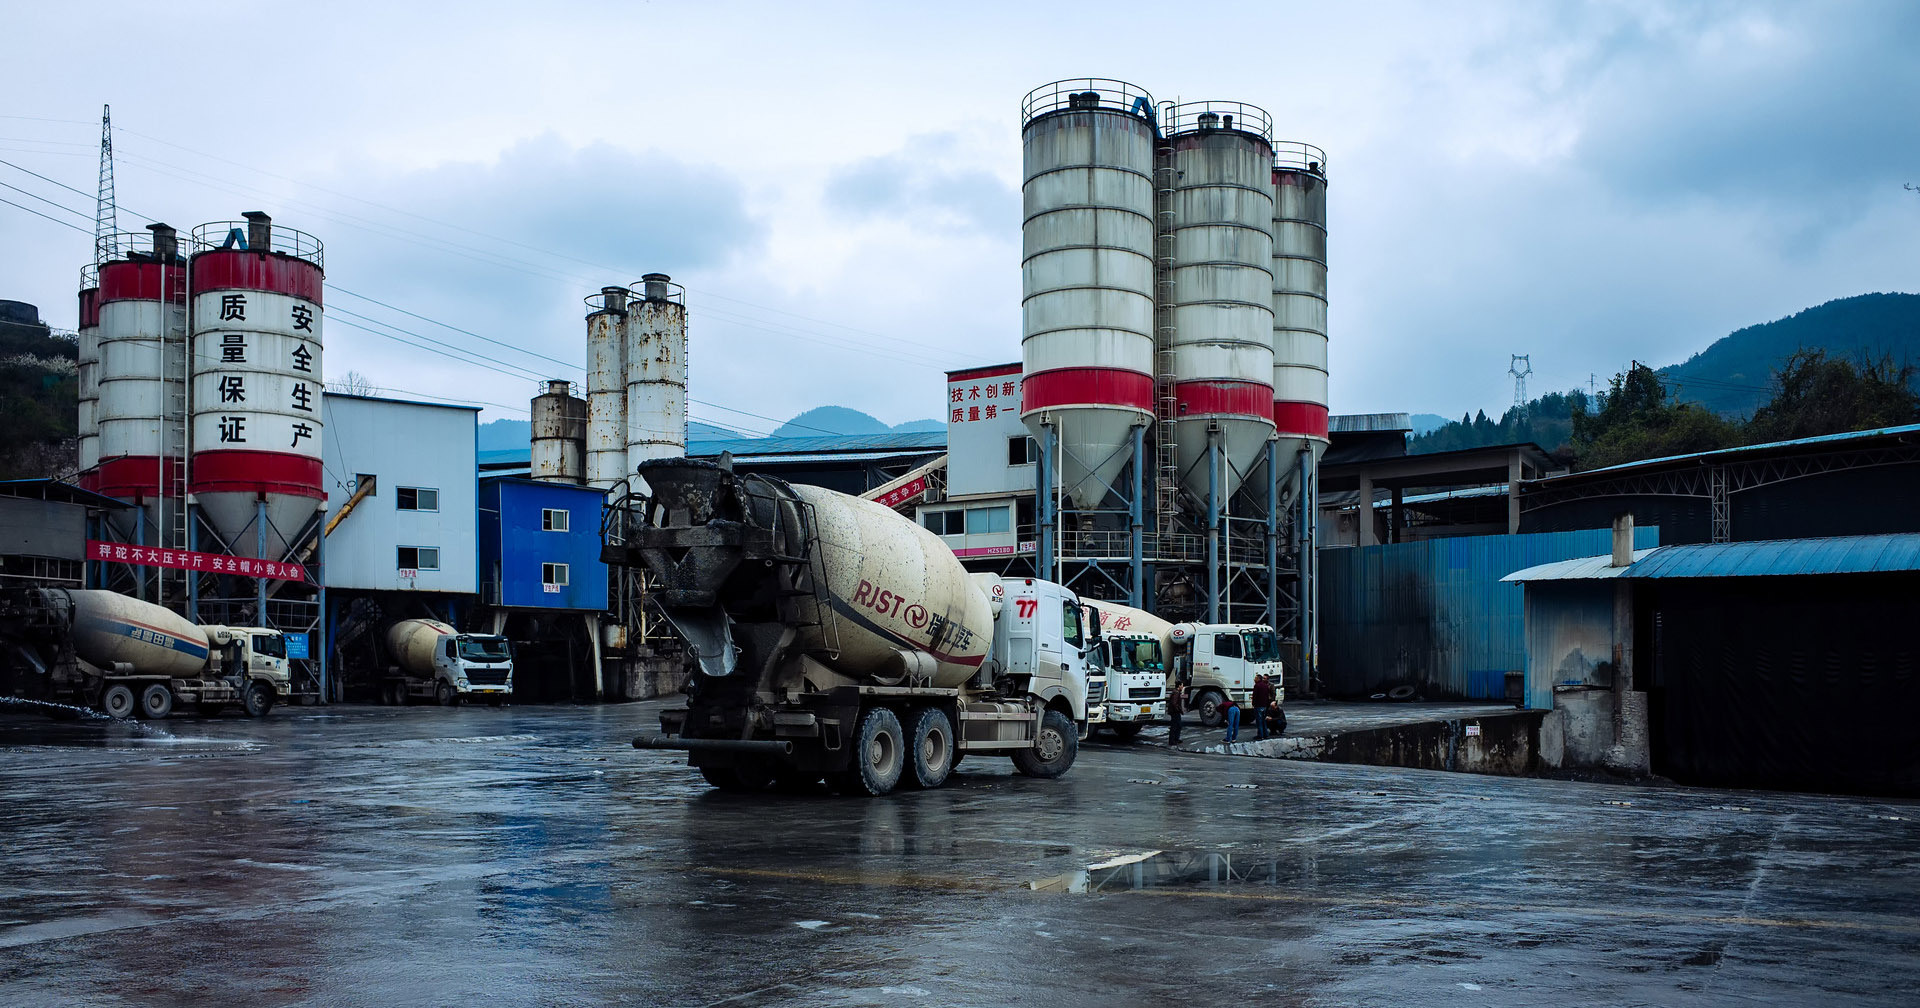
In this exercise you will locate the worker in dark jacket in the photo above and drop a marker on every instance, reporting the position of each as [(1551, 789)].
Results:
[(1176, 706), (1262, 701)]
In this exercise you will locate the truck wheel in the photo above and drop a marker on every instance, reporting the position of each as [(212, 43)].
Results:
[(156, 702), (1206, 708), (257, 699), (931, 746), (398, 693), (1053, 749), (447, 696), (1126, 730), (879, 753), (117, 701)]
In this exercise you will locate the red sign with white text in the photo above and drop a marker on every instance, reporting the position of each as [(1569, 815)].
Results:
[(212, 563), (913, 489)]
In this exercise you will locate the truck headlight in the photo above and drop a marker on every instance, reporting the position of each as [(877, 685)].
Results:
[(461, 683)]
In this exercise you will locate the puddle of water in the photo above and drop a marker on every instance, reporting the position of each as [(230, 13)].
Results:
[(60, 724), (1160, 869)]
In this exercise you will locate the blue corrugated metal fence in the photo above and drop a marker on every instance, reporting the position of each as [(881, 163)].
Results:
[(1434, 614)]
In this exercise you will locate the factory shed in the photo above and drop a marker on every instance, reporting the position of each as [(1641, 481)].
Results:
[(1817, 486), (1783, 664)]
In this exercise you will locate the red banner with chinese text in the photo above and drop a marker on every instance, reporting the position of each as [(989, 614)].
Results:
[(211, 563)]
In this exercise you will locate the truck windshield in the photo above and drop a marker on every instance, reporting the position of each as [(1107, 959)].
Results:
[(484, 649), (1143, 656), (1261, 646), (270, 645)]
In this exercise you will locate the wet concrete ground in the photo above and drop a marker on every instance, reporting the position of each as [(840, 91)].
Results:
[(374, 856)]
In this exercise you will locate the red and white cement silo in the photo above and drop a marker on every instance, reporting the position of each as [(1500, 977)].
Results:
[(1300, 298), (141, 385), (255, 469), (1087, 275), (89, 373), (1220, 299)]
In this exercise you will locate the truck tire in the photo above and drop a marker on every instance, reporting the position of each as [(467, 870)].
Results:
[(1126, 731), (879, 754), (257, 699), (1053, 749), (117, 701), (156, 702), (447, 695), (1206, 708), (930, 745), (398, 692)]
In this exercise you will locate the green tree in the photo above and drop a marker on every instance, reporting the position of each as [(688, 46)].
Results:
[(1636, 422), (1816, 394)]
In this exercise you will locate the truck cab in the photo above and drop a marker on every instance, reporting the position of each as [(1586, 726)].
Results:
[(1220, 660), (479, 666), (1041, 632), (250, 654), (1136, 682)]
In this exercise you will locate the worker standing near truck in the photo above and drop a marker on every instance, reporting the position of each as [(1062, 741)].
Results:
[(1176, 706), (1262, 701)]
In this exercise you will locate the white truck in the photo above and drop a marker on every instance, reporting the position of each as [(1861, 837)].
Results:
[(127, 657), (836, 639), (1136, 671), (436, 662), (1218, 660)]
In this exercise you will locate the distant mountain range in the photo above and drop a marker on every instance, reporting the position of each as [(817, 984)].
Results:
[(1734, 376), (821, 421)]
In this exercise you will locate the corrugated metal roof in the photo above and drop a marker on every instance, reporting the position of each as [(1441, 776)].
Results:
[(1873, 554), (1747, 449), (1365, 423), (1579, 568), (1838, 555)]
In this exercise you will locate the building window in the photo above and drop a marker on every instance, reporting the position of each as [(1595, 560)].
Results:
[(553, 574), (553, 520), (416, 499), (419, 558), (987, 520), (952, 521), (1022, 450)]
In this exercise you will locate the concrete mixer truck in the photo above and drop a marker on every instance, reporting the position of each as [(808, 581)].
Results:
[(1132, 643), (433, 661), (836, 639), (127, 657)]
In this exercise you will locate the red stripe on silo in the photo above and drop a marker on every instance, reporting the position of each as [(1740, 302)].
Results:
[(90, 308), (1223, 398), (89, 480), (256, 472), (1302, 418), (1087, 387), (131, 476), (126, 280), (234, 269)]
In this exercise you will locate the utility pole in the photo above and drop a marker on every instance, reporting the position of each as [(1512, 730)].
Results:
[(104, 224)]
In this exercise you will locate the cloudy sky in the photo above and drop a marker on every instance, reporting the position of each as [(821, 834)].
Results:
[(837, 184)]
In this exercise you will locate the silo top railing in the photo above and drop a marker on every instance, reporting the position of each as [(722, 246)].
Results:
[(1292, 155), (661, 290), (90, 277), (130, 245), (1087, 93), (1204, 116), (216, 235)]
